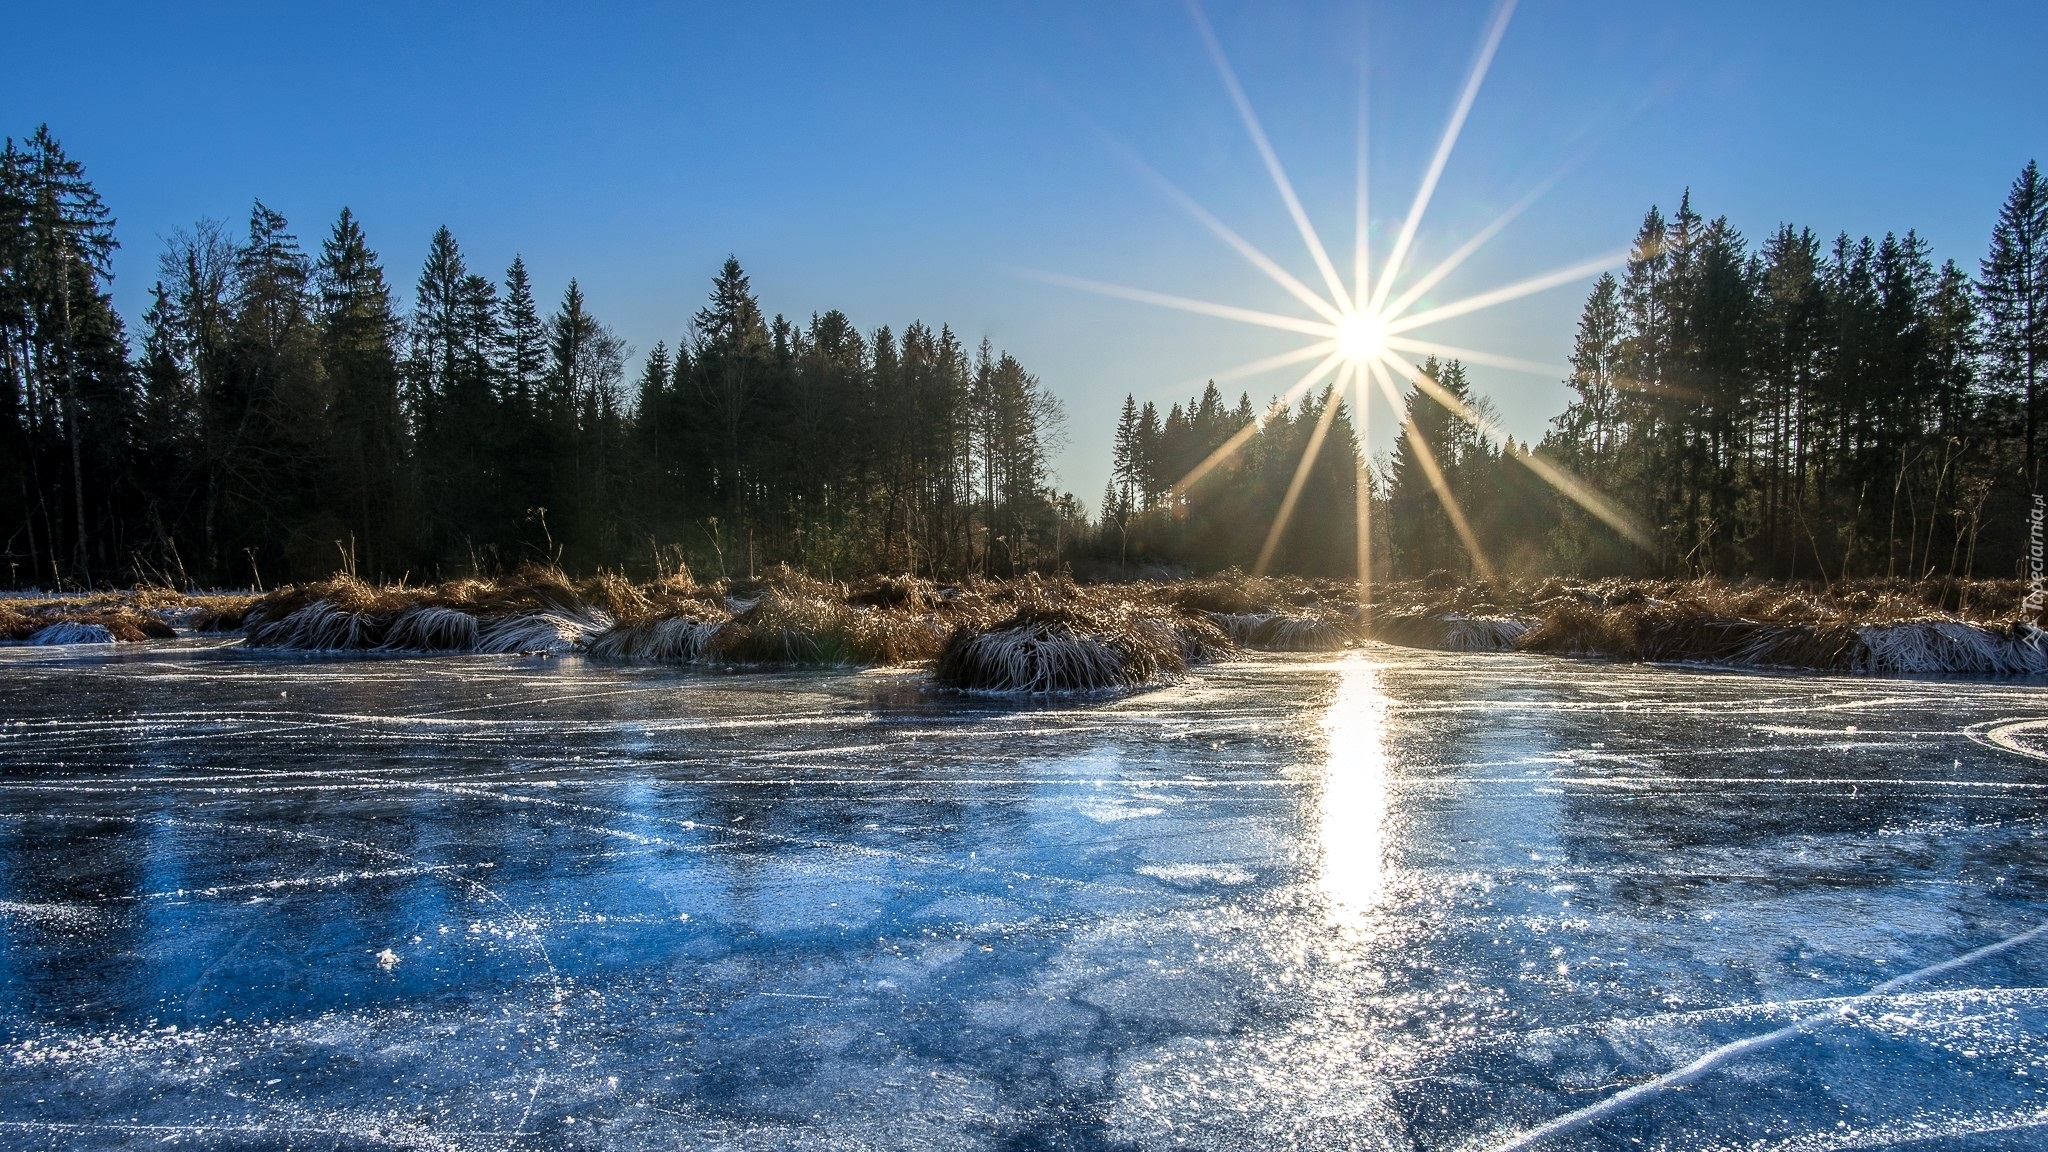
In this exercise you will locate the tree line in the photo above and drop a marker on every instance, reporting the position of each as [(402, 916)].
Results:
[(1201, 487), (283, 417), (1811, 409), (1802, 409)]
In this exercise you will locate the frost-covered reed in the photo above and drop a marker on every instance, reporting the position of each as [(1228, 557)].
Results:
[(431, 628), (70, 632), (684, 639), (1284, 631), (538, 610), (61, 622), (321, 626), (1451, 631), (1483, 633), (1950, 646), (1048, 647), (1882, 627), (540, 633)]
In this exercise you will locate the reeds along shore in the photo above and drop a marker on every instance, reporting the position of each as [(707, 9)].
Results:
[(1047, 635)]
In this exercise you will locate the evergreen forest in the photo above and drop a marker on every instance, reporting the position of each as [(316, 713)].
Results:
[(1800, 409)]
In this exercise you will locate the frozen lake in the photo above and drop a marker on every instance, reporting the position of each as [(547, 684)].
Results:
[(1386, 899)]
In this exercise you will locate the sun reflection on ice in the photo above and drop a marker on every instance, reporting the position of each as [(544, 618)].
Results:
[(1351, 815)]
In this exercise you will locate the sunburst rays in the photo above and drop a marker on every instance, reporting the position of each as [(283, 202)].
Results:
[(1360, 331)]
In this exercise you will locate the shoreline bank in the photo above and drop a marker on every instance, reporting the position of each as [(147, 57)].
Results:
[(1031, 634)]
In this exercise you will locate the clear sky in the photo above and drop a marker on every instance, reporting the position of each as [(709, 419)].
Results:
[(906, 161)]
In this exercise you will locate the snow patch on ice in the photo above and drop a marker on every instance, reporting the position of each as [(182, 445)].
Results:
[(1111, 811), (50, 915), (1197, 874)]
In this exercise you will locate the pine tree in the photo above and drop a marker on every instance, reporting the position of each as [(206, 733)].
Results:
[(654, 380), (1128, 455), (1435, 462), (359, 334), (453, 396), (2014, 283), (522, 340), (198, 420), (1116, 521), (436, 331), (1790, 334), (270, 484), (1151, 483), (586, 368), (1591, 424), (73, 361), (730, 358), (650, 418)]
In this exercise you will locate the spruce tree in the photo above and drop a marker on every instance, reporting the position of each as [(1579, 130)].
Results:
[(1151, 481), (366, 424), (730, 370), (2014, 283), (583, 401), (270, 484), (63, 236), (522, 340), (1432, 440), (1127, 463)]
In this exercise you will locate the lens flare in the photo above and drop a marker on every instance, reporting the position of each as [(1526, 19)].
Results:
[(1361, 330)]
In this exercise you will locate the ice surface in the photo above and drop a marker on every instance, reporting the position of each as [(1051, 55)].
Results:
[(1376, 899)]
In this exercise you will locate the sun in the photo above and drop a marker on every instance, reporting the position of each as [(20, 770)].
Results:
[(1364, 335)]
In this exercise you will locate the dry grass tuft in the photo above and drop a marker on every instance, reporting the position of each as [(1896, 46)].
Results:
[(61, 622), (537, 609), (1231, 593), (1578, 629), (227, 616), (615, 595), (1066, 642), (787, 581), (813, 624), (686, 639), (786, 628), (1285, 631), (901, 593)]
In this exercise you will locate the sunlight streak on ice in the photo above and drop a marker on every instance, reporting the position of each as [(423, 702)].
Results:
[(1351, 813)]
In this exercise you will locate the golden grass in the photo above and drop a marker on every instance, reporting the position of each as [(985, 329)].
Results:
[(123, 624), (1036, 633), (1061, 638)]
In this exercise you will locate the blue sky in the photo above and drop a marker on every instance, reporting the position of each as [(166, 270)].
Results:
[(903, 161)]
